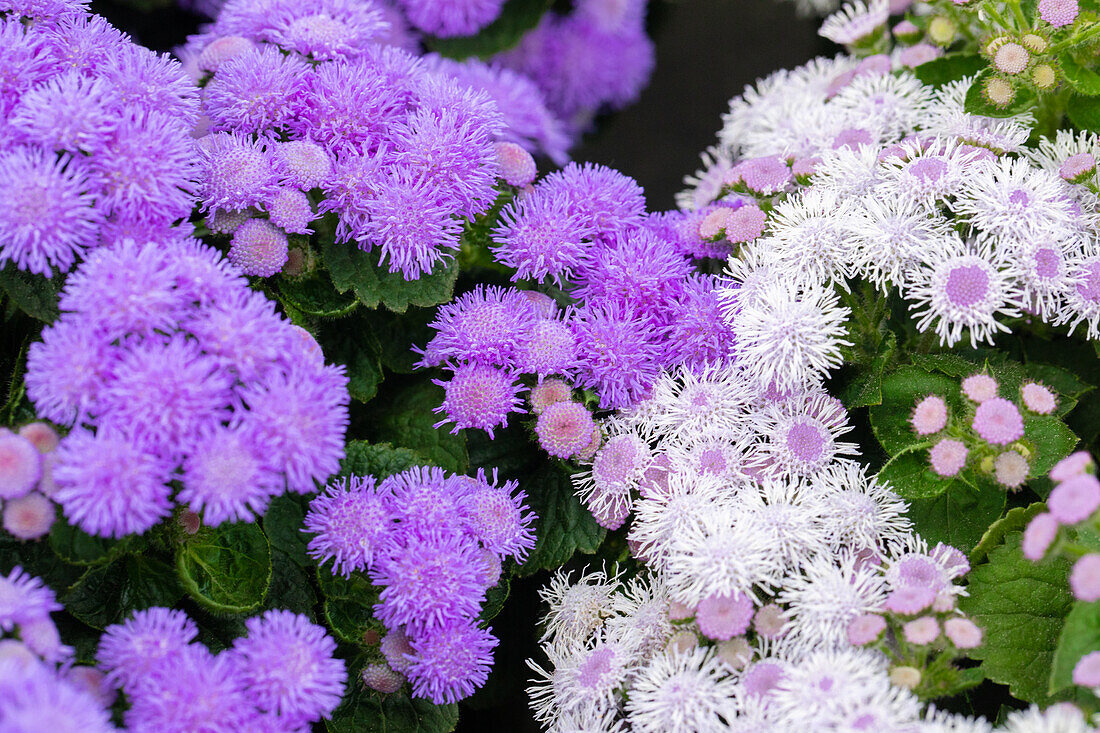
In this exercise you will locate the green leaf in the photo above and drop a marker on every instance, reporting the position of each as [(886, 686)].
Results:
[(1084, 112), (404, 417), (1015, 521), (363, 367), (348, 605), (949, 68), (911, 476), (108, 594), (865, 390), (1080, 635), (377, 459), (373, 284), (395, 335), (35, 295), (901, 390), (564, 526), (291, 585), (959, 516), (77, 547), (315, 296), (226, 569), (365, 711), (1083, 79), (283, 527), (1021, 607), (1053, 441), (976, 103), (516, 18), (495, 598)]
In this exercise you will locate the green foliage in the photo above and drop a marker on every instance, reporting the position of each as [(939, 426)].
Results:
[(350, 348), (283, 526), (77, 547), (35, 295), (315, 296), (949, 68), (403, 416), (564, 527), (348, 603), (1021, 607), (291, 585), (226, 569), (901, 390), (357, 271), (516, 18), (394, 335), (1080, 635), (366, 711), (1084, 112), (1053, 441), (960, 515), (377, 459), (108, 594), (1015, 521), (1084, 80), (865, 387)]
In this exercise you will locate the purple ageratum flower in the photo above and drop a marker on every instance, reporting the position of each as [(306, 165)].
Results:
[(498, 517), (328, 29), (259, 90), (550, 348), (454, 151), (286, 663), (108, 485), (67, 370), (164, 394), (227, 476), (130, 651), (245, 334), (479, 396), (301, 163), (237, 172), (527, 120), (610, 201), (301, 415), (456, 18), (621, 352), (48, 216), (35, 697), (581, 67), (636, 268), (422, 498), (259, 248), (565, 428), (351, 106), (25, 61), (44, 10), (290, 210), (83, 43), (449, 663), (696, 333), (432, 582), (193, 690), (20, 466), (24, 599), (151, 82), (411, 221), (542, 235), (351, 522), (68, 112), (488, 325)]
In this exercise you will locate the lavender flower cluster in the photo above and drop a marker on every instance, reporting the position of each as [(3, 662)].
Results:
[(282, 675), (310, 112), (26, 480), (180, 384), (95, 137), (636, 305), (433, 543)]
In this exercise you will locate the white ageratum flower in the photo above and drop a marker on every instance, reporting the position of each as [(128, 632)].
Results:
[(808, 240), (577, 610), (962, 287), (1043, 267), (1082, 302), (642, 615), (927, 170), (661, 518), (799, 436), (892, 234), (831, 590), (855, 21), (1009, 197), (693, 400), (1058, 718), (792, 337), (889, 106), (793, 515), (861, 512), (946, 117), (941, 721), (704, 186), (682, 692)]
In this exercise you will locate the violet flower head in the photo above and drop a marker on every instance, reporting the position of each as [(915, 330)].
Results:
[(448, 664), (237, 172), (287, 665), (542, 235), (488, 325), (498, 517), (550, 348), (637, 269), (255, 91), (456, 18), (422, 498), (227, 476), (24, 599), (612, 202), (697, 334), (323, 30), (35, 696), (622, 354), (351, 522), (129, 651), (479, 396)]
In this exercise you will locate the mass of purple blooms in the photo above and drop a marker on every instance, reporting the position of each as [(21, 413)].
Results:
[(95, 137), (169, 369), (633, 302), (433, 543)]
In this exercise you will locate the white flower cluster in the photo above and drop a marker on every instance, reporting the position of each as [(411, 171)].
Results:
[(870, 173)]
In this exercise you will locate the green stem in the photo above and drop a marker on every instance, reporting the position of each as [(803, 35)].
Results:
[(1020, 17), (991, 10), (1086, 34)]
